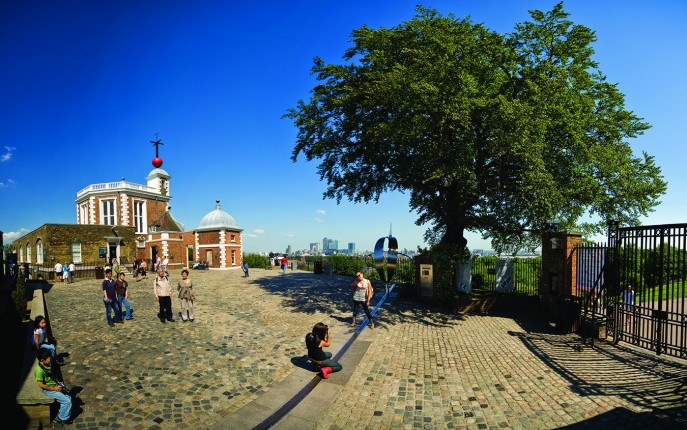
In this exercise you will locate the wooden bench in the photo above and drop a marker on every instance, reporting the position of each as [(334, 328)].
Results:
[(30, 397)]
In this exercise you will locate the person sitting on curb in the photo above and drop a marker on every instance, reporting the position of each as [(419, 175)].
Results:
[(53, 388), (319, 338)]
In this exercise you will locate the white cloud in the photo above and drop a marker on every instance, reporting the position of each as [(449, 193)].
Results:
[(318, 220), (11, 236), (250, 235), (290, 235), (8, 154), (259, 231), (321, 211)]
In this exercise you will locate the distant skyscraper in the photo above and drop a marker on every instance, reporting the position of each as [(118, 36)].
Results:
[(288, 250), (333, 244), (325, 244), (351, 248), (315, 247)]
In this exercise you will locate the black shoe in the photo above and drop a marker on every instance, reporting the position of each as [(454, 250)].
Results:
[(110, 324), (172, 320), (120, 321), (163, 321), (191, 320)]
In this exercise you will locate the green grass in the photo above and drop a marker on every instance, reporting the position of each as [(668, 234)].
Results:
[(671, 291)]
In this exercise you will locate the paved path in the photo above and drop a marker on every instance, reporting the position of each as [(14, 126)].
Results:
[(420, 368)]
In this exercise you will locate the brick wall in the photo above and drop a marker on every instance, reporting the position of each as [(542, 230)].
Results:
[(57, 242)]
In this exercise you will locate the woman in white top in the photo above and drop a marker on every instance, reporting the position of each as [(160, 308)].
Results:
[(362, 293)]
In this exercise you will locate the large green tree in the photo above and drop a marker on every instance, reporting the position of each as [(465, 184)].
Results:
[(487, 132)]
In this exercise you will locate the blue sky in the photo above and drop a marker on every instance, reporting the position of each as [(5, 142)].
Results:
[(85, 84)]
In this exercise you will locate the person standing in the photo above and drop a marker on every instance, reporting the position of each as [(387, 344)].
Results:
[(58, 272), (116, 268), (142, 268), (319, 338), (245, 270), (65, 273), (110, 299), (53, 388), (185, 289), (284, 263), (628, 298), (165, 265), (72, 272), (123, 297), (163, 292), (362, 293)]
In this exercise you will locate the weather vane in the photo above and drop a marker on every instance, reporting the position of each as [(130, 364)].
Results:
[(157, 161)]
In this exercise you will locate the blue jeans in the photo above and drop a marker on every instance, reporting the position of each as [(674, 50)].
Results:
[(331, 363), (109, 307), (125, 303), (50, 347), (65, 402)]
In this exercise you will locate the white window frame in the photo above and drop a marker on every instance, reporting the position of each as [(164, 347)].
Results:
[(28, 252), (21, 254), (140, 216), (39, 251), (83, 213), (107, 218), (76, 255), (233, 257)]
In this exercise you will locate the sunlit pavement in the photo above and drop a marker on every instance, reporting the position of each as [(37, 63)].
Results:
[(423, 368)]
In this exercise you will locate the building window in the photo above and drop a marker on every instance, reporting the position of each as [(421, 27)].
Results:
[(39, 252), (21, 254), (28, 252), (233, 257), (233, 238), (141, 242), (107, 212), (140, 216), (83, 214), (76, 252)]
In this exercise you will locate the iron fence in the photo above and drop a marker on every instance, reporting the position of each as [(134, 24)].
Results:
[(83, 270)]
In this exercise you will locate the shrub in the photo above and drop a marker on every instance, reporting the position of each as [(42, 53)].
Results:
[(256, 261)]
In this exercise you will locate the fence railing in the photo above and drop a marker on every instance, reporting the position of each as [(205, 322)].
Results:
[(83, 270), (526, 274)]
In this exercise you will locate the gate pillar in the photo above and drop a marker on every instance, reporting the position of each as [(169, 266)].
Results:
[(558, 287)]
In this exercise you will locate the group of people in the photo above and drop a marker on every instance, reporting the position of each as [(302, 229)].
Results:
[(116, 299), (65, 272), (198, 265), (163, 295), (52, 386)]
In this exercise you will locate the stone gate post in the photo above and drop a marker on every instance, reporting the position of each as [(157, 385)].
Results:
[(558, 286)]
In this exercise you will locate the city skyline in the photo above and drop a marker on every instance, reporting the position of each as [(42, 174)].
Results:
[(89, 84)]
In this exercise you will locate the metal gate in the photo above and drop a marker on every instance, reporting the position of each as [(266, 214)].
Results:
[(645, 280)]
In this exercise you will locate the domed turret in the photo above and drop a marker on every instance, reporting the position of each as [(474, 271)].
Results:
[(217, 220)]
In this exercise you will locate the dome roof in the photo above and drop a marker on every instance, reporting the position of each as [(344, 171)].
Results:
[(217, 220), (156, 173)]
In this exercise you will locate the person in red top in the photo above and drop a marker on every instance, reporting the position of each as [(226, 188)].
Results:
[(284, 263)]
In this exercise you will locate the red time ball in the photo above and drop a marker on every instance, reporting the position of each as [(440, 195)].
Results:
[(157, 162)]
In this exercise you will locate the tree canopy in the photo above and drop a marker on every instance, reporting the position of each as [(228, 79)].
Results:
[(487, 132)]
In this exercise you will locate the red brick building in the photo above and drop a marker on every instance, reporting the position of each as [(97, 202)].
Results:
[(218, 240)]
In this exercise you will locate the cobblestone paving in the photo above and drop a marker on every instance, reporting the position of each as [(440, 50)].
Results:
[(425, 369), (435, 371), (147, 375)]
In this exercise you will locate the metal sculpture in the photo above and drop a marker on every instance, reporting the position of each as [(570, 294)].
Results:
[(386, 259)]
